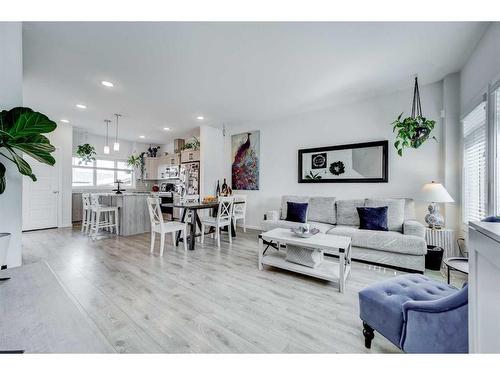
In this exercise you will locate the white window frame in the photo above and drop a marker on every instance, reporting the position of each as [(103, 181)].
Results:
[(94, 168)]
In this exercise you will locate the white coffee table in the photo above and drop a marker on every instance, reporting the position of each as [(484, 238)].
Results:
[(331, 270)]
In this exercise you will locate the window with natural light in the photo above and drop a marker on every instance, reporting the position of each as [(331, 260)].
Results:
[(101, 173), (474, 165)]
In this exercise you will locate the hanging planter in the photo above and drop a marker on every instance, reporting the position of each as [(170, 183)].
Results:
[(86, 153), (412, 131)]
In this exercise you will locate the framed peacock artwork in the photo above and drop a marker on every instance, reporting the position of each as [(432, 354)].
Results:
[(245, 153)]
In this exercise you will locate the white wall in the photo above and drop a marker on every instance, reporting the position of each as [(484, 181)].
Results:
[(452, 151), (364, 121), (212, 166), (482, 68), (11, 95)]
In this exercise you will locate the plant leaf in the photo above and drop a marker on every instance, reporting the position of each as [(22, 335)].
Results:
[(32, 123), (22, 165), (2, 178)]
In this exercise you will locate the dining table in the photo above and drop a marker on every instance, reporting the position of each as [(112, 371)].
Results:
[(195, 218)]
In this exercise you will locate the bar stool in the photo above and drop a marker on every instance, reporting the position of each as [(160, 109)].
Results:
[(102, 217), (86, 212)]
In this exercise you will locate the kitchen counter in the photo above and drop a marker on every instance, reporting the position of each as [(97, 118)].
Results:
[(132, 209)]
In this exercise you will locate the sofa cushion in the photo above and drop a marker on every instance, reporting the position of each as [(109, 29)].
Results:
[(394, 242), (347, 213), (395, 211), (380, 304), (373, 218), (296, 212), (322, 209), (268, 225), (291, 198)]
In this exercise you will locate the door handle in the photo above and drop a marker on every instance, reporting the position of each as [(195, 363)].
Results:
[(55, 192)]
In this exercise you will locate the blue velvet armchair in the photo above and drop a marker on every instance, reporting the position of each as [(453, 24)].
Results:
[(417, 314)]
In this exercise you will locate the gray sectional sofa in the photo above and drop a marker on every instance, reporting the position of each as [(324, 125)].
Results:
[(403, 246)]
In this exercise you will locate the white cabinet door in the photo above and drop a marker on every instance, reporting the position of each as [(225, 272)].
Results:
[(41, 198)]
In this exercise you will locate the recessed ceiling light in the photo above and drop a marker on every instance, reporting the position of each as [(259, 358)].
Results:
[(200, 118), (64, 120), (81, 106), (167, 129), (107, 83), (142, 136)]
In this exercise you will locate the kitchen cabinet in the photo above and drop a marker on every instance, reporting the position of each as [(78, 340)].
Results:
[(151, 168), (190, 155), (174, 159)]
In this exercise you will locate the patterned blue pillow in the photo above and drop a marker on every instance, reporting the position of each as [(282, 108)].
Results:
[(373, 218), (296, 212)]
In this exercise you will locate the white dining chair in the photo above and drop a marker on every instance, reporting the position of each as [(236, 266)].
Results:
[(223, 219), (158, 225), (86, 212), (240, 210), (102, 217)]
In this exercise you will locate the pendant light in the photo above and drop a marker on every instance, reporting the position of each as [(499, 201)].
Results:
[(116, 145), (106, 146)]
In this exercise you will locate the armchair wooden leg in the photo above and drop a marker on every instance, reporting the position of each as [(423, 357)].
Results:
[(369, 335)]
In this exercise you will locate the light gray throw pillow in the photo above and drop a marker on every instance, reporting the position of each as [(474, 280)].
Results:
[(322, 210), (347, 214), (395, 211)]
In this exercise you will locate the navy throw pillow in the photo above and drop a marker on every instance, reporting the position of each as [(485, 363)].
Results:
[(373, 218), (296, 212)]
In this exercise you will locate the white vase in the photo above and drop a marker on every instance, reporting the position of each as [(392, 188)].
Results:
[(4, 246)]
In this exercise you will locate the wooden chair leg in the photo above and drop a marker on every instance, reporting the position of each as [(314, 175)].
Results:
[(218, 236), (369, 335), (185, 239), (173, 239), (162, 243), (153, 235), (202, 233)]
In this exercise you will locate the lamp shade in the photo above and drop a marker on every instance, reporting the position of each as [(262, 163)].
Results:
[(435, 192)]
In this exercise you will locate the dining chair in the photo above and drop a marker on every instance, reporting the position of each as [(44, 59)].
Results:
[(86, 212), (102, 216), (223, 219), (158, 225), (240, 210)]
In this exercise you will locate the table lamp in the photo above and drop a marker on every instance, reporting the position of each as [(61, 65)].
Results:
[(435, 193)]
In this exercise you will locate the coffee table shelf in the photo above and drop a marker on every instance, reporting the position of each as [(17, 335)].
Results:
[(327, 270), (330, 270)]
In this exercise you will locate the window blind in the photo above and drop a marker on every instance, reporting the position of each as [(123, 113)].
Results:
[(474, 164)]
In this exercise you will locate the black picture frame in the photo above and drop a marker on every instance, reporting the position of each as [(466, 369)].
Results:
[(385, 162)]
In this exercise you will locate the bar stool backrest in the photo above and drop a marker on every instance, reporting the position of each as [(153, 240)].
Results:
[(86, 201)]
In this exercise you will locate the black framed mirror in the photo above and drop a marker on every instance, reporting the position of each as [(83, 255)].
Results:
[(357, 162)]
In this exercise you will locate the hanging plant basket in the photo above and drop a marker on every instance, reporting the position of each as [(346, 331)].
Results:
[(86, 153), (412, 131)]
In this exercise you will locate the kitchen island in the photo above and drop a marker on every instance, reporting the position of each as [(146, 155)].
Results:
[(132, 210)]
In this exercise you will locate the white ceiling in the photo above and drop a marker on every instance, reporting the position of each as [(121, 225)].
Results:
[(166, 74)]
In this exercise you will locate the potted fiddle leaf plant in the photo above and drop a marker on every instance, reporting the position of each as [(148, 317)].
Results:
[(86, 153), (21, 131), (412, 131)]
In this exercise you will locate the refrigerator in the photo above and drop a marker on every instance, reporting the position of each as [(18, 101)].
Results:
[(190, 177)]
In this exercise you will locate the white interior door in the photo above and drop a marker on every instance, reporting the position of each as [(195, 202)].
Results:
[(41, 198)]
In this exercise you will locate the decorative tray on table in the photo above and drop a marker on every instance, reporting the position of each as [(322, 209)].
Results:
[(303, 232)]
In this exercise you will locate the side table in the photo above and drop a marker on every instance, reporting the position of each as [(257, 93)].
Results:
[(457, 264)]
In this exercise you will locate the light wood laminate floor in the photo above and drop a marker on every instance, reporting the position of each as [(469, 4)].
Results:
[(205, 301)]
